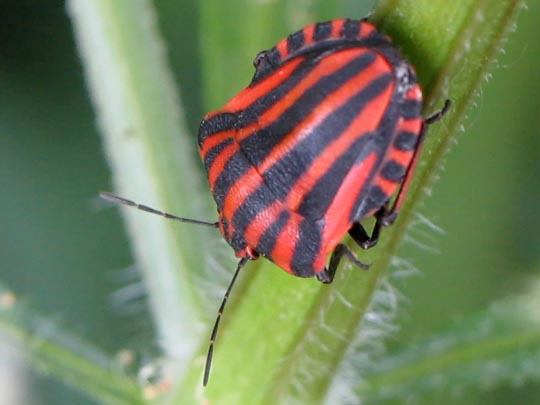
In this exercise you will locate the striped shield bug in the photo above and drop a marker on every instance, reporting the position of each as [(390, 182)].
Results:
[(328, 130)]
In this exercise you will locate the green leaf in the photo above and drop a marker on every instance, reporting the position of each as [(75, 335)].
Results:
[(55, 351)]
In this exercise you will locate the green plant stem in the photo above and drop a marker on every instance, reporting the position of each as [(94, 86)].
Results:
[(151, 156), (50, 349)]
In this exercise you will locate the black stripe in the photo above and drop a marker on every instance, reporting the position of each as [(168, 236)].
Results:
[(295, 41), (286, 171), (217, 123), (406, 141), (411, 109), (393, 171), (376, 198), (317, 201), (258, 200), (268, 239), (235, 167), (259, 145), (351, 29), (322, 31), (215, 151), (306, 249)]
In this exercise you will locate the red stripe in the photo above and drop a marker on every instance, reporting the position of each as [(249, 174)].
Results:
[(211, 114), (387, 186), (400, 156), (337, 26), (219, 164), (411, 125), (337, 219), (414, 93), (282, 48), (286, 242), (366, 29), (214, 140), (237, 194), (308, 35), (261, 222)]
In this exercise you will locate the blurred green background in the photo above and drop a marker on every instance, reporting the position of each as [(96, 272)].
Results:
[(66, 255)]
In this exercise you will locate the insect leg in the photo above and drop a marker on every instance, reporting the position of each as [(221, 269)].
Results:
[(361, 237), (327, 275)]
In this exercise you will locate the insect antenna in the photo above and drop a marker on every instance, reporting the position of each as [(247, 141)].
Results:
[(208, 364), (119, 200)]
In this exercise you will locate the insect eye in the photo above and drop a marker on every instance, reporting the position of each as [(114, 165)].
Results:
[(259, 58)]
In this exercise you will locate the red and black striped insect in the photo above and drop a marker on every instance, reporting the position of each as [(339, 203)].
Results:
[(328, 130)]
